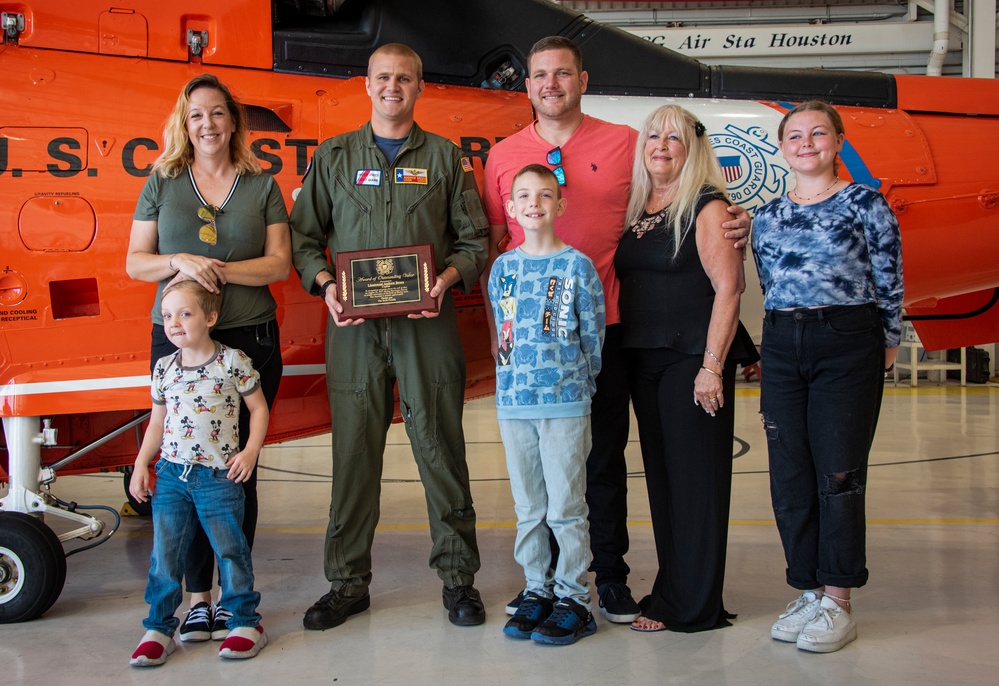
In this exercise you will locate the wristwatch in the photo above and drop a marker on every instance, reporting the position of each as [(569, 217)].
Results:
[(325, 287)]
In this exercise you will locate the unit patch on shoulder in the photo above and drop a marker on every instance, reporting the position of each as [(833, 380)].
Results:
[(368, 177), (411, 175), (466, 164)]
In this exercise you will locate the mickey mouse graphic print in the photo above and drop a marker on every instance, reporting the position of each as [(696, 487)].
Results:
[(202, 418)]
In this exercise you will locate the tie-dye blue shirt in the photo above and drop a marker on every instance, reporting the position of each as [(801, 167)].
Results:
[(550, 315), (845, 250)]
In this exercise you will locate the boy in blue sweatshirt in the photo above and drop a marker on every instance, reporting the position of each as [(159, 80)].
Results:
[(548, 306)]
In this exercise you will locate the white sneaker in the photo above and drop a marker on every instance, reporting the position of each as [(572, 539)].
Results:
[(828, 630), (789, 624)]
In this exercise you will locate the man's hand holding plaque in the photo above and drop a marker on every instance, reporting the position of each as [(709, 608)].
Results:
[(445, 280)]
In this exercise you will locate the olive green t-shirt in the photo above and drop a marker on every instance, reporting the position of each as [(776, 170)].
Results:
[(253, 204)]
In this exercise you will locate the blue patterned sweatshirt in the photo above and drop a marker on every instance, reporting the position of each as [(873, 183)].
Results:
[(845, 250), (549, 313)]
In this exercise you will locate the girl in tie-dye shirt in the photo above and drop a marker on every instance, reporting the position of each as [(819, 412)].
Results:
[(830, 263)]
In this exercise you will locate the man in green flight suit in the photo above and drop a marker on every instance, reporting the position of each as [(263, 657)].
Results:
[(393, 184)]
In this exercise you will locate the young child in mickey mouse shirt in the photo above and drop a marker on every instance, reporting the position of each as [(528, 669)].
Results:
[(194, 429)]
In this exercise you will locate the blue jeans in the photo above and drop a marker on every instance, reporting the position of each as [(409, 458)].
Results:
[(822, 380), (262, 343), (180, 501), (546, 459)]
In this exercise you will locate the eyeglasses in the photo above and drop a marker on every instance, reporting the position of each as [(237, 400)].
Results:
[(209, 232), (555, 158)]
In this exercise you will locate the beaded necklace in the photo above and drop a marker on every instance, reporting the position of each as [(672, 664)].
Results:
[(646, 224), (795, 191)]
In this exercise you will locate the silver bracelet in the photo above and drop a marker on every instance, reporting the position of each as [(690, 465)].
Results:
[(708, 351)]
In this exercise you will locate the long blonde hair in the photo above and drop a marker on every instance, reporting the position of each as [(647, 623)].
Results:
[(700, 171), (178, 152)]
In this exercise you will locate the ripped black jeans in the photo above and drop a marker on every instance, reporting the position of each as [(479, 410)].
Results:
[(822, 379)]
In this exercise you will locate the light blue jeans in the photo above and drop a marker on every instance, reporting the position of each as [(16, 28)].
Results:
[(182, 497), (546, 460)]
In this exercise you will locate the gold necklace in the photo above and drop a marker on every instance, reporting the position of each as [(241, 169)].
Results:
[(795, 191)]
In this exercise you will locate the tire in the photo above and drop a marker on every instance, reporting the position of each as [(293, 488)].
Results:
[(142, 509), (32, 567)]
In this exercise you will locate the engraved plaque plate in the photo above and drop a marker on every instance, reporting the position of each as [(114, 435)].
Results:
[(387, 282)]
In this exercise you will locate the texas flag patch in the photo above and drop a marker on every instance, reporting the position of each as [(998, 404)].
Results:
[(368, 177), (410, 175)]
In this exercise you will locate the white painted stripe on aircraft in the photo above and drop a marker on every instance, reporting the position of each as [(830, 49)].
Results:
[(45, 387), (112, 383)]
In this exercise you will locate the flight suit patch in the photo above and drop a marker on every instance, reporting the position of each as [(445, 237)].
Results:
[(368, 177), (411, 175)]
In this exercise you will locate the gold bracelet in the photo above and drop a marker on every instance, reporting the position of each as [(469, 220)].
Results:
[(711, 371)]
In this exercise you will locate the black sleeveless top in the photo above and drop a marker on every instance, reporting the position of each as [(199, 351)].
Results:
[(666, 301)]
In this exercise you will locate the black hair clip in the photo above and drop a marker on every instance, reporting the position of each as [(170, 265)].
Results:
[(699, 129)]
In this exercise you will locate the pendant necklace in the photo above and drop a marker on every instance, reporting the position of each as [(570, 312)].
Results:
[(795, 191)]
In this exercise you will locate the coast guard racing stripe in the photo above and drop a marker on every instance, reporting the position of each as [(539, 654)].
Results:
[(411, 175), (368, 177)]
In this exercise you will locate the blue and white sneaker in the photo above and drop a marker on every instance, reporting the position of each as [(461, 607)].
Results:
[(531, 612), (568, 622), (511, 607)]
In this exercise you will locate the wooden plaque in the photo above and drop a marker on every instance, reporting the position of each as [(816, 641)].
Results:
[(386, 282)]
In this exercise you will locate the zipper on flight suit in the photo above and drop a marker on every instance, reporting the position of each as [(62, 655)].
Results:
[(388, 341)]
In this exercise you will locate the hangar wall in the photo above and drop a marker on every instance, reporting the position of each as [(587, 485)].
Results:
[(896, 37)]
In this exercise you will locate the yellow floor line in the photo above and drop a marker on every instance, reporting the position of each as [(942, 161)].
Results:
[(920, 521), (990, 389)]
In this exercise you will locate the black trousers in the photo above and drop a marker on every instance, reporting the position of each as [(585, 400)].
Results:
[(262, 343), (688, 472), (606, 469)]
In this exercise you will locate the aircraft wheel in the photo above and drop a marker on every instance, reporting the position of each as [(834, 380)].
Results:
[(142, 509), (32, 567)]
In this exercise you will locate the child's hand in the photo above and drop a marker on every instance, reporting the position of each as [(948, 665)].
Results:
[(241, 466), (138, 486)]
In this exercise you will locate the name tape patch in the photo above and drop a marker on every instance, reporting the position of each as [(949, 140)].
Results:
[(368, 177), (411, 175)]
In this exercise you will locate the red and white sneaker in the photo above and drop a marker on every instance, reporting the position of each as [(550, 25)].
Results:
[(243, 642), (154, 649)]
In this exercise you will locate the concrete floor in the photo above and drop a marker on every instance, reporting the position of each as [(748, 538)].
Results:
[(930, 614)]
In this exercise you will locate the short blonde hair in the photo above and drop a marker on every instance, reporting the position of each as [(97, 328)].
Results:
[(399, 50), (208, 302)]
